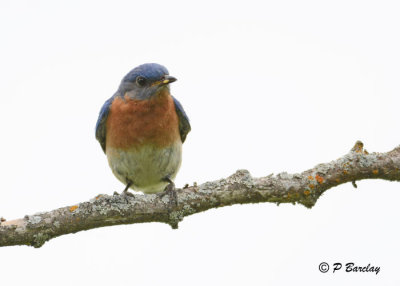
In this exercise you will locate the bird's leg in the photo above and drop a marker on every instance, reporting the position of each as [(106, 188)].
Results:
[(125, 192), (127, 187), (171, 192)]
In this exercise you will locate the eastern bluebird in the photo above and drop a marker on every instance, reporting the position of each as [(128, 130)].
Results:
[(141, 129)]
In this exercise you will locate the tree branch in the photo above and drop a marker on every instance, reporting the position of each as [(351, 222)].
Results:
[(240, 188)]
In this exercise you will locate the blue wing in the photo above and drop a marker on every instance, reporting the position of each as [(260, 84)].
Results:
[(101, 123), (184, 125)]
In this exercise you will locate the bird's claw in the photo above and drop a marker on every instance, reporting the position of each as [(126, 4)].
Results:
[(127, 193), (171, 192)]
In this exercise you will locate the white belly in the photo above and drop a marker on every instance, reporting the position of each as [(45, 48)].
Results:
[(146, 167)]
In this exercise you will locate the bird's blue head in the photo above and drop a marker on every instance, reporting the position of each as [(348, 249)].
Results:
[(145, 81)]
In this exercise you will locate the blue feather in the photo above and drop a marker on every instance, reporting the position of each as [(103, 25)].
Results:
[(184, 125), (101, 123), (150, 71)]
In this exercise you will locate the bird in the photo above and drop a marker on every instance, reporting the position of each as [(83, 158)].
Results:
[(141, 129)]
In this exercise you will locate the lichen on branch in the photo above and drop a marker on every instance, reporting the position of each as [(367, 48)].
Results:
[(240, 188)]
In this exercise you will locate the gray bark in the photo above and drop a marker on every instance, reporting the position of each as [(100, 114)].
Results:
[(240, 188)]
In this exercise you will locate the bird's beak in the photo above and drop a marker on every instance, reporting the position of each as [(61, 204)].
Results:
[(168, 79), (164, 81)]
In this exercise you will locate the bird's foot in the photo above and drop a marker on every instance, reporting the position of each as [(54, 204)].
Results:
[(171, 192), (125, 192)]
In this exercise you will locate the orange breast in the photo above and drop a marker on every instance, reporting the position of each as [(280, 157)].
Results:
[(133, 123)]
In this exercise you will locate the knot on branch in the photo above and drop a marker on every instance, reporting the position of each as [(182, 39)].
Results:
[(359, 148), (40, 239), (242, 177)]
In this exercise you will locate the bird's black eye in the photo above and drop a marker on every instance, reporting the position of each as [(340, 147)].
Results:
[(140, 81)]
